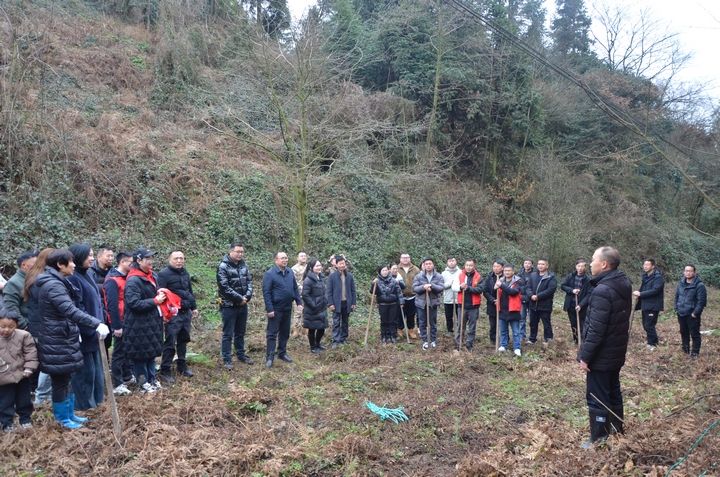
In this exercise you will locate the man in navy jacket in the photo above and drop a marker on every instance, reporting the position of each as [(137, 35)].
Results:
[(650, 299), (341, 297), (279, 291)]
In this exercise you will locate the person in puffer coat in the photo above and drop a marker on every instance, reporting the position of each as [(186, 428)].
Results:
[(59, 339), (88, 383), (143, 330), (690, 301), (604, 344), (389, 299), (315, 318)]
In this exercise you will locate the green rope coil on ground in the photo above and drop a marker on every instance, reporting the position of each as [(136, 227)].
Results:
[(693, 447), (395, 415)]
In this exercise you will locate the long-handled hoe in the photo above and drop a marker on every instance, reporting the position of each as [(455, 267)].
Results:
[(579, 333), (372, 302)]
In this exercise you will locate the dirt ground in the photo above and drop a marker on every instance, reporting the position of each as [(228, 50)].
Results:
[(469, 415)]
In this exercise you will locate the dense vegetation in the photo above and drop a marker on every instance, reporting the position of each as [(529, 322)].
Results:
[(370, 127)]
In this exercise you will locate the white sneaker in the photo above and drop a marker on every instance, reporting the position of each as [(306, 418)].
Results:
[(650, 348), (147, 388), (131, 382), (501, 349), (433, 345), (156, 385), (518, 352), (425, 346), (121, 390)]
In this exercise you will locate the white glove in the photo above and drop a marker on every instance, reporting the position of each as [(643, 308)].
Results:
[(102, 330)]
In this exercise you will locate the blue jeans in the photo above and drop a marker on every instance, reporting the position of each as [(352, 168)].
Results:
[(88, 384), (423, 324), (44, 389), (234, 321), (523, 321), (504, 338), (145, 368)]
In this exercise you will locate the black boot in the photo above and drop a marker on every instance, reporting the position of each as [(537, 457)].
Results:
[(598, 428), (616, 425), (313, 346)]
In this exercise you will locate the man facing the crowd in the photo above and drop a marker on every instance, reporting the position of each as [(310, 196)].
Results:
[(176, 278), (13, 291), (407, 272), (604, 344), (690, 301), (280, 290), (114, 299), (577, 290), (342, 299), (650, 300), (235, 288), (298, 270)]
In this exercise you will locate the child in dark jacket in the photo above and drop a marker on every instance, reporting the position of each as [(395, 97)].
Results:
[(18, 360)]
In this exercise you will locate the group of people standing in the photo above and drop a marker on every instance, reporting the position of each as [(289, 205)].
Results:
[(60, 327), (60, 302)]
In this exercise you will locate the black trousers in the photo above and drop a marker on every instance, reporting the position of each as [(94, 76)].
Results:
[(277, 333), (535, 317), (314, 337), (410, 313), (121, 368), (650, 319), (60, 387), (492, 330), (388, 319), (690, 328), (177, 334), (449, 322), (605, 386), (15, 398)]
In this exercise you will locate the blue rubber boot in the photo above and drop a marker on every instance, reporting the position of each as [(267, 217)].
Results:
[(61, 410), (73, 417)]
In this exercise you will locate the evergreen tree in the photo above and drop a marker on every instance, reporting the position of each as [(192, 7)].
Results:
[(571, 28)]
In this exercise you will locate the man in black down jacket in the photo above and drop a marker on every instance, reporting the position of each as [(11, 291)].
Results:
[(540, 290), (235, 288), (650, 299), (604, 344), (690, 301), (176, 278)]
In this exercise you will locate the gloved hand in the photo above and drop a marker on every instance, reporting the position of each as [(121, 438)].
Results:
[(102, 330)]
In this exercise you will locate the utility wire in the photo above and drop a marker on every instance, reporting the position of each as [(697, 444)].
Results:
[(617, 114)]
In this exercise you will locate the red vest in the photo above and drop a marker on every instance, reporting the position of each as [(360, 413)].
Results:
[(514, 301), (476, 298), (120, 281)]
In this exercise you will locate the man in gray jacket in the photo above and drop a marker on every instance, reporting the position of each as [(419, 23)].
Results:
[(428, 285)]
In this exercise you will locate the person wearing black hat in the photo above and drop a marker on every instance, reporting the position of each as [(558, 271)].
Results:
[(143, 331), (88, 383), (428, 285)]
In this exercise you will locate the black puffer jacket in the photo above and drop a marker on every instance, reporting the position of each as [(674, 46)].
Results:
[(234, 282), (605, 335), (59, 339), (143, 330), (33, 311), (690, 298), (177, 280), (652, 292), (315, 301), (388, 290), (544, 287)]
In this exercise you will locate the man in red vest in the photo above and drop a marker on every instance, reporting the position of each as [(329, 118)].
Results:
[(509, 292), (469, 287), (114, 293)]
